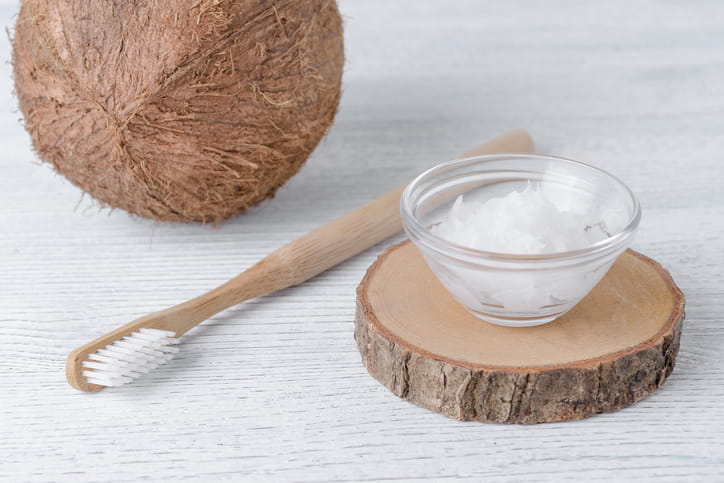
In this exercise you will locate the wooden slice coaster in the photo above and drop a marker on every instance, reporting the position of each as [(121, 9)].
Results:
[(614, 348)]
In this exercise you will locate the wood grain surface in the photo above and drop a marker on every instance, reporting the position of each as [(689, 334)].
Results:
[(633, 87)]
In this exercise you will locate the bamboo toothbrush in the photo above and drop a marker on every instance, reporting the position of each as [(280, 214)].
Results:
[(142, 345)]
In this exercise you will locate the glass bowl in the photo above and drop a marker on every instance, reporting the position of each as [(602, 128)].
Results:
[(514, 289)]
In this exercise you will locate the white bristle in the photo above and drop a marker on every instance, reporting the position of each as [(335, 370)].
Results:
[(130, 357)]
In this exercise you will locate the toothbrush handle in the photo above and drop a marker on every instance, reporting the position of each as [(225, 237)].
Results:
[(319, 250)]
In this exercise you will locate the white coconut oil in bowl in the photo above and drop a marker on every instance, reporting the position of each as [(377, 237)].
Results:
[(519, 240)]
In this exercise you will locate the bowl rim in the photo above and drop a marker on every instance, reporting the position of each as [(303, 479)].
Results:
[(418, 232)]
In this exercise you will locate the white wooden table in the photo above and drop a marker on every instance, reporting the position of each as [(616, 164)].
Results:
[(636, 88)]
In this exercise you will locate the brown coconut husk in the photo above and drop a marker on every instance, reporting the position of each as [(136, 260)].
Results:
[(180, 110)]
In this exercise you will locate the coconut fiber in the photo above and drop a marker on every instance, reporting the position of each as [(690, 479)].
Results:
[(183, 110)]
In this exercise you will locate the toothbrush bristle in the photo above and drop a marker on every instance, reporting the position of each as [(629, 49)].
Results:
[(130, 357)]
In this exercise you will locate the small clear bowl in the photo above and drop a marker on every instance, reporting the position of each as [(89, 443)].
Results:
[(511, 289)]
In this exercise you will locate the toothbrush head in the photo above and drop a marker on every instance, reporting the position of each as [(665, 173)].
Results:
[(121, 361)]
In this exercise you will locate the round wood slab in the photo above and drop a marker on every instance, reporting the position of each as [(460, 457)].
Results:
[(614, 348)]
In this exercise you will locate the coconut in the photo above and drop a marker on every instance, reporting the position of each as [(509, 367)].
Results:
[(179, 110)]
